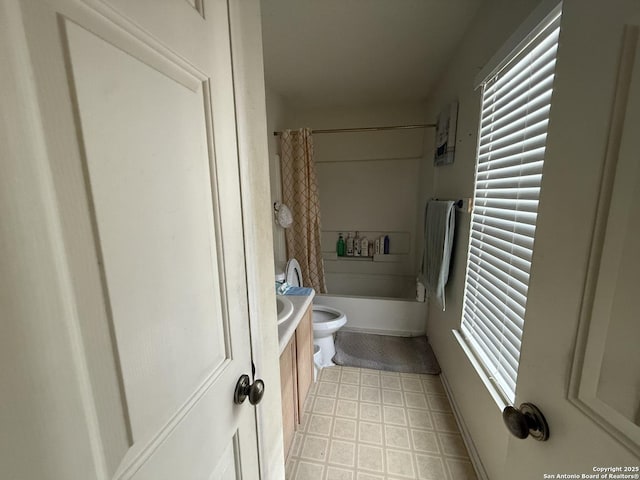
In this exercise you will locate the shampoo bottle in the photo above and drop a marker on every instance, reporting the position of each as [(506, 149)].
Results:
[(349, 245), (365, 247), (340, 247), (386, 244), (356, 245)]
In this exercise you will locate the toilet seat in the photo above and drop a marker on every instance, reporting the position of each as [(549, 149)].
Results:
[(327, 318), (293, 273)]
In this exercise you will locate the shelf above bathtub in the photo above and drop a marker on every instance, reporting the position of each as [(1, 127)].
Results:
[(390, 258), (332, 256)]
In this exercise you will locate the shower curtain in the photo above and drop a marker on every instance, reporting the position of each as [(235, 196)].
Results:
[(300, 193)]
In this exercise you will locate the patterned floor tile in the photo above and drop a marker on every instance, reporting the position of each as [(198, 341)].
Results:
[(362, 424)]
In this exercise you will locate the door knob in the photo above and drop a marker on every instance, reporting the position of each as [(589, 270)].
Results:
[(528, 420), (245, 389)]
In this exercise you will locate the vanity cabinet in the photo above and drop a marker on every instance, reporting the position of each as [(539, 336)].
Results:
[(304, 359), (296, 377), (289, 389)]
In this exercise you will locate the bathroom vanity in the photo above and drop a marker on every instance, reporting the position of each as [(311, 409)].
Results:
[(296, 364)]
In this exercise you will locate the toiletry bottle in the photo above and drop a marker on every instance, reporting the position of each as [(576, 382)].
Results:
[(372, 249), (421, 291), (377, 247), (365, 247), (340, 247), (386, 244), (356, 245), (349, 245)]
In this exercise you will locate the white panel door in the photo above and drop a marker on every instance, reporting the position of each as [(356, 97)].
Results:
[(133, 108), (580, 361)]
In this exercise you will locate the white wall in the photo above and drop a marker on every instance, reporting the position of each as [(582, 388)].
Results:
[(490, 29), (368, 182), (275, 122)]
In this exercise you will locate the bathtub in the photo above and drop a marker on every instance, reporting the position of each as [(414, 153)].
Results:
[(380, 315)]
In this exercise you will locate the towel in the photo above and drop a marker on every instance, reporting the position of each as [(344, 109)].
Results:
[(439, 226), (299, 291), (283, 288)]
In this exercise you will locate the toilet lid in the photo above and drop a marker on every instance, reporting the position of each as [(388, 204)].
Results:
[(294, 273)]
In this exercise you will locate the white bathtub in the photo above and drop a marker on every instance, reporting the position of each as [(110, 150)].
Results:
[(385, 316)]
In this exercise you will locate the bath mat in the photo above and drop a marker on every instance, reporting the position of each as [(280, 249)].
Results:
[(382, 352)]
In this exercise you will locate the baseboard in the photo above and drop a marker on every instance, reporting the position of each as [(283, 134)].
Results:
[(376, 331), (481, 473)]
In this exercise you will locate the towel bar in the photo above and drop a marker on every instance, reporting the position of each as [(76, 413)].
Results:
[(460, 203)]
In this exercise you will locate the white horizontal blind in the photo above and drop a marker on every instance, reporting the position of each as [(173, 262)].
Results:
[(513, 130)]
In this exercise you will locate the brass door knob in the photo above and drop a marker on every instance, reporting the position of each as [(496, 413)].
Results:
[(244, 389), (526, 421)]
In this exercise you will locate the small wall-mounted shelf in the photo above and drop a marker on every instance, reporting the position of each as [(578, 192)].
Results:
[(389, 257), (361, 258)]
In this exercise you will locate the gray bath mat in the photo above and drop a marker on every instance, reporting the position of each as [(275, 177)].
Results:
[(382, 352)]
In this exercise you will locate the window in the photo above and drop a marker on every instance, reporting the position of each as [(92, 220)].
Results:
[(516, 100)]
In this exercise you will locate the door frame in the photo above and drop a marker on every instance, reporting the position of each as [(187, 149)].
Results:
[(251, 119)]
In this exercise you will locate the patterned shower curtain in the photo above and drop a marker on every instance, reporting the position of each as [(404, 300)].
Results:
[(300, 194)]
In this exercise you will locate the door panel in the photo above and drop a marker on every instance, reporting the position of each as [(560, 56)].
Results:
[(136, 108), (152, 199), (606, 381), (579, 359), (226, 469)]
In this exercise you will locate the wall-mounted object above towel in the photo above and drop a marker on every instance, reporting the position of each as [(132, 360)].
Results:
[(446, 135), (283, 215)]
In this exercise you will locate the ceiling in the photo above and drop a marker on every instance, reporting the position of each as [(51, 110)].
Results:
[(357, 52)]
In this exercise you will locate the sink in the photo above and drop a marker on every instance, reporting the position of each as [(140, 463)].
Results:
[(285, 308)]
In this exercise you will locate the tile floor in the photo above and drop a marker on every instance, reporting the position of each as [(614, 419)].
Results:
[(362, 424)]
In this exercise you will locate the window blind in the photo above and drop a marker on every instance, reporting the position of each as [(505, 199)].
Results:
[(513, 130)]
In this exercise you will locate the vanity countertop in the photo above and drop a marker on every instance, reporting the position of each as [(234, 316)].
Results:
[(286, 328)]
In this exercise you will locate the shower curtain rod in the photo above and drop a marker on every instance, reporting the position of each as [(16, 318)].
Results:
[(370, 129)]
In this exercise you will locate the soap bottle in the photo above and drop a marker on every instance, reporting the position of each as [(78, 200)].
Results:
[(340, 247), (386, 244), (364, 247), (349, 245), (356, 245), (377, 250), (421, 291)]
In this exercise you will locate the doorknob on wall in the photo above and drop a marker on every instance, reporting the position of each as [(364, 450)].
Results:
[(528, 420), (245, 389)]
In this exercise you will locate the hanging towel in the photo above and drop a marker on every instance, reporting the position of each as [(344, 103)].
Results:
[(439, 226)]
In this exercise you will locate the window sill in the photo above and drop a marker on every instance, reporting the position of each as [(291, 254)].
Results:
[(497, 396)]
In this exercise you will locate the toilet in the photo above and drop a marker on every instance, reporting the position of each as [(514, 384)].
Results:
[(326, 320), (317, 358)]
